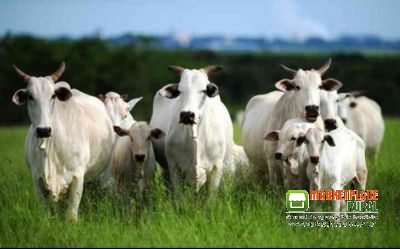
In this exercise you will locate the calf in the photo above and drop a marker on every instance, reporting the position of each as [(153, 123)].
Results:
[(298, 97), (335, 159), (295, 158), (133, 159)]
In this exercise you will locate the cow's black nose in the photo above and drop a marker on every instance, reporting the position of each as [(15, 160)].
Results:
[(344, 120), (330, 124), (43, 132), (187, 118), (278, 156), (312, 109), (314, 159), (312, 113), (140, 158)]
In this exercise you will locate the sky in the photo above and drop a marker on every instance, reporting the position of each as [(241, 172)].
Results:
[(253, 18)]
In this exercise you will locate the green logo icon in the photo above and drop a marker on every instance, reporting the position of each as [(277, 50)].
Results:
[(297, 200)]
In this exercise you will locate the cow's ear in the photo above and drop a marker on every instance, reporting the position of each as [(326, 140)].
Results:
[(211, 90), (329, 140), (63, 93), (300, 140), (272, 136), (285, 85), (157, 133), (20, 97), (101, 97), (170, 91), (353, 104), (120, 131), (133, 102), (331, 84)]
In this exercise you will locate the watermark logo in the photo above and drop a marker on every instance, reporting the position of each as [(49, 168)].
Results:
[(297, 200)]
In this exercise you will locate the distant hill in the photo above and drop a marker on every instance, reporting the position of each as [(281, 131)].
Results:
[(247, 44)]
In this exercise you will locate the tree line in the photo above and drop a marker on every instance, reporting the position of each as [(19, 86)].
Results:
[(96, 66)]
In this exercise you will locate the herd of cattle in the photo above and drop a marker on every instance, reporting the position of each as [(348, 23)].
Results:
[(304, 136)]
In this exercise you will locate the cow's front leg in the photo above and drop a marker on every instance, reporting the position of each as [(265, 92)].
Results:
[(215, 176), (107, 178), (75, 195), (201, 178)]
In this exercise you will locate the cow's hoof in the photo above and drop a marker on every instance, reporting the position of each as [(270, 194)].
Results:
[(72, 217)]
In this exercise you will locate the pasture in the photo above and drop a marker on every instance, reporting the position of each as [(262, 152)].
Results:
[(237, 216)]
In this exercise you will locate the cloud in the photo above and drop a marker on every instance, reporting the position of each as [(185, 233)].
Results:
[(293, 23)]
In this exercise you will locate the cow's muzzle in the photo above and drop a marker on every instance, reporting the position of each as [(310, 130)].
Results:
[(312, 113), (278, 156), (187, 118), (43, 132), (140, 158), (330, 124), (314, 159)]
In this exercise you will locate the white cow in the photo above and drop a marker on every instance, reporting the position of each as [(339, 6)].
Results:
[(268, 112), (198, 144), (363, 116), (329, 110), (134, 163), (295, 158), (333, 167), (119, 110), (69, 141)]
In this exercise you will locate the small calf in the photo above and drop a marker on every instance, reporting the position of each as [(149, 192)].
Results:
[(294, 158), (133, 160), (335, 159)]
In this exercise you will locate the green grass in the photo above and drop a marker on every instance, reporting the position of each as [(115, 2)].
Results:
[(237, 216)]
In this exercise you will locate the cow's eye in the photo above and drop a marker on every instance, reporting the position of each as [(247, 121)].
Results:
[(30, 97), (297, 87), (293, 139), (53, 97), (337, 101)]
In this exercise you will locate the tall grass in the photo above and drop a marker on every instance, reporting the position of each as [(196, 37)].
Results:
[(236, 216)]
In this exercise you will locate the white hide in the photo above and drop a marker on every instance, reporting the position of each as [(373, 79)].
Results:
[(365, 118), (270, 111), (80, 145), (118, 110), (295, 158), (338, 165), (193, 153), (129, 173)]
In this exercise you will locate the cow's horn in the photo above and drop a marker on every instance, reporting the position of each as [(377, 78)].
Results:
[(325, 67), (212, 69), (288, 69), (176, 69), (57, 74), (25, 76)]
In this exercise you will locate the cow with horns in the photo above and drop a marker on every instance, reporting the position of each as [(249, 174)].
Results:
[(298, 98), (69, 141), (198, 145)]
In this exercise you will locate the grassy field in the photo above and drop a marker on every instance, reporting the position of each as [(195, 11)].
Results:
[(237, 216)]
